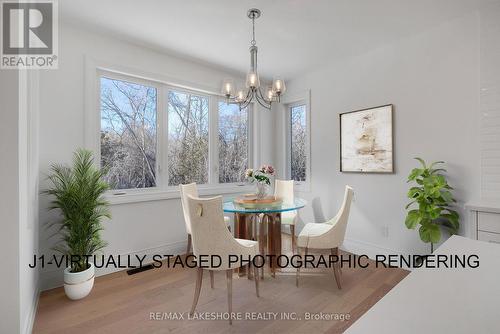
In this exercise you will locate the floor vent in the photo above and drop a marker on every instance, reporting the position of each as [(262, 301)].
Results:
[(139, 270)]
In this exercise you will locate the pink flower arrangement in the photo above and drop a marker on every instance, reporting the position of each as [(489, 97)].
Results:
[(261, 175)]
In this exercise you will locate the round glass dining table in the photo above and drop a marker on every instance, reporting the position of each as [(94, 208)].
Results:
[(247, 219), (298, 203)]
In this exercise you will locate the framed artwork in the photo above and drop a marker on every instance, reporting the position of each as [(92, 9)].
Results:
[(366, 141)]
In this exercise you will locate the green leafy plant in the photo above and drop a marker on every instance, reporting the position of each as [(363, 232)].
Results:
[(77, 193), (433, 200)]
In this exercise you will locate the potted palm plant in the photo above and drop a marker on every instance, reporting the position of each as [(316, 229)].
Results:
[(431, 203), (77, 192)]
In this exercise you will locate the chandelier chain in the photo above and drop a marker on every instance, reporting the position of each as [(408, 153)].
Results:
[(253, 31)]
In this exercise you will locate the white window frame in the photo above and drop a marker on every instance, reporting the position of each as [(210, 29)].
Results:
[(94, 70), (295, 100)]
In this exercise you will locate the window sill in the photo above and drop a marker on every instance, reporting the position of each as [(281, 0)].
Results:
[(160, 195), (303, 187)]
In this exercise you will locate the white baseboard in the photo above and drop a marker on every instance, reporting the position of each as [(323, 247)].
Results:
[(30, 320), (365, 248), (54, 278)]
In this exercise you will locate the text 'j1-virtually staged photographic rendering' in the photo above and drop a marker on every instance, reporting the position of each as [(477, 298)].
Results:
[(252, 166)]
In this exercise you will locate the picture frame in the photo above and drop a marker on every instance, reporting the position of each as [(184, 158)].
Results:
[(367, 141)]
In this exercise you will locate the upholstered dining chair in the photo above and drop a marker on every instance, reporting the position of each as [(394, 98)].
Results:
[(186, 190), (284, 190), (212, 238), (328, 235)]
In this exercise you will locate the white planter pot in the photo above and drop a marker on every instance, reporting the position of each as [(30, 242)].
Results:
[(78, 285)]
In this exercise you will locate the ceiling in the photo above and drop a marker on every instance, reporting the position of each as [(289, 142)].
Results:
[(293, 36)]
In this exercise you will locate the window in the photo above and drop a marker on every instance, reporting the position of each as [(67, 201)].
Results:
[(298, 158), (128, 133), (233, 142), (154, 136), (187, 138)]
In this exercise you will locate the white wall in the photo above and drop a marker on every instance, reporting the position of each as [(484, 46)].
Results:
[(146, 227), (28, 185), (9, 203), (432, 79), (490, 103)]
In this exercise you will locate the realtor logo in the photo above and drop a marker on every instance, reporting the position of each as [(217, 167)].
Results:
[(29, 34)]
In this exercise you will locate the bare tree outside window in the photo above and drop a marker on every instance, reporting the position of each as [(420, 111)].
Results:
[(187, 138), (128, 133), (298, 153), (233, 143)]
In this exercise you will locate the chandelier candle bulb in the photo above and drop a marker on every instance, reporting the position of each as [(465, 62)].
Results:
[(240, 97), (279, 86), (228, 87), (253, 80), (270, 93)]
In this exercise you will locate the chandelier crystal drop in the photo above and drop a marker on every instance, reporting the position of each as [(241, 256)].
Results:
[(253, 90)]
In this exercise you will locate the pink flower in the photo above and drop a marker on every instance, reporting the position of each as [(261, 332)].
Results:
[(270, 170), (267, 169)]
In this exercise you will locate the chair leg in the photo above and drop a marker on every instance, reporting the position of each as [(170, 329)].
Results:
[(340, 265), (229, 277), (292, 232), (211, 278), (335, 251), (199, 279), (256, 279), (188, 250)]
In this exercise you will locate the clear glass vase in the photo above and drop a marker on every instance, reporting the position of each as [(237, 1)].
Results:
[(261, 190)]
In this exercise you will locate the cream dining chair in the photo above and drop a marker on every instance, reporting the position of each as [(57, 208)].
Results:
[(186, 190), (328, 235), (284, 190), (212, 238)]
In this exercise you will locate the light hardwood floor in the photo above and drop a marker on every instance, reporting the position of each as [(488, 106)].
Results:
[(122, 304)]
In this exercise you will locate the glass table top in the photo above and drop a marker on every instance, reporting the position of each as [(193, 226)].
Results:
[(298, 203)]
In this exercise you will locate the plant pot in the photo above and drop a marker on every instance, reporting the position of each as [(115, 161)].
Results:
[(78, 285)]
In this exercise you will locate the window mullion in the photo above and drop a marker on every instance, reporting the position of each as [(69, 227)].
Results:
[(163, 136), (213, 147)]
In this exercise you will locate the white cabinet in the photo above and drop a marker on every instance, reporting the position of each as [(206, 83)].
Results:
[(488, 222), (489, 237), (485, 222)]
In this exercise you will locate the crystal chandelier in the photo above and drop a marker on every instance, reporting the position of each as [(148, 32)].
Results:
[(253, 91)]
